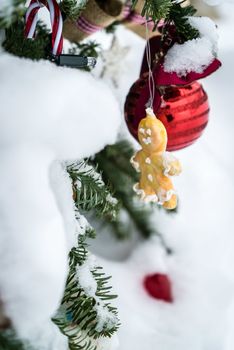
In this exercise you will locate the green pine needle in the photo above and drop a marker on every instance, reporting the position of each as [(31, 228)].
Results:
[(179, 16), (16, 43), (90, 190), (155, 9), (73, 8), (172, 12), (82, 325)]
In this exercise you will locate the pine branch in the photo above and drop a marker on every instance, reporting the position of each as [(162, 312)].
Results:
[(179, 16), (90, 192), (73, 8), (80, 320), (77, 339), (155, 9), (16, 43), (172, 12)]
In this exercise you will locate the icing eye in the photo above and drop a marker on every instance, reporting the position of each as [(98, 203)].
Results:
[(148, 132)]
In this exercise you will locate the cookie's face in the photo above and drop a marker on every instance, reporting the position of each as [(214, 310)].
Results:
[(152, 135)]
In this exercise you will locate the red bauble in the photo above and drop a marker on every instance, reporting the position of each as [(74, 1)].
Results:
[(158, 286), (184, 109), (184, 113)]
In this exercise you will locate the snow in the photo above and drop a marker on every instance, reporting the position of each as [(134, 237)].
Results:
[(32, 241), (61, 116), (85, 276), (61, 185), (47, 113), (207, 29), (194, 55), (113, 201)]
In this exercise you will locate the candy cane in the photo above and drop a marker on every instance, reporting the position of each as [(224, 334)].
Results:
[(55, 19)]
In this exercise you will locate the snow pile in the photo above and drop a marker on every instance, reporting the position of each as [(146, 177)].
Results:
[(47, 113), (194, 55), (63, 109)]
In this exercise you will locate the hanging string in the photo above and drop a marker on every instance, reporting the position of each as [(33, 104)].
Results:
[(150, 76)]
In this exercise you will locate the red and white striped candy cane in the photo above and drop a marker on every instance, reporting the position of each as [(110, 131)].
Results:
[(55, 19)]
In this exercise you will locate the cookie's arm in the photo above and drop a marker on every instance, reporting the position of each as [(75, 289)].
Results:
[(171, 164)]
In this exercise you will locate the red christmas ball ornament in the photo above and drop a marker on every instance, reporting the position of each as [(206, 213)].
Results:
[(180, 102), (158, 286), (184, 111)]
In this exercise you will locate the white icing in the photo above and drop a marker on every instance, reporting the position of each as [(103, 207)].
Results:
[(147, 140), (168, 158), (142, 130), (135, 164), (148, 160), (139, 191), (148, 132), (150, 177), (165, 196)]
